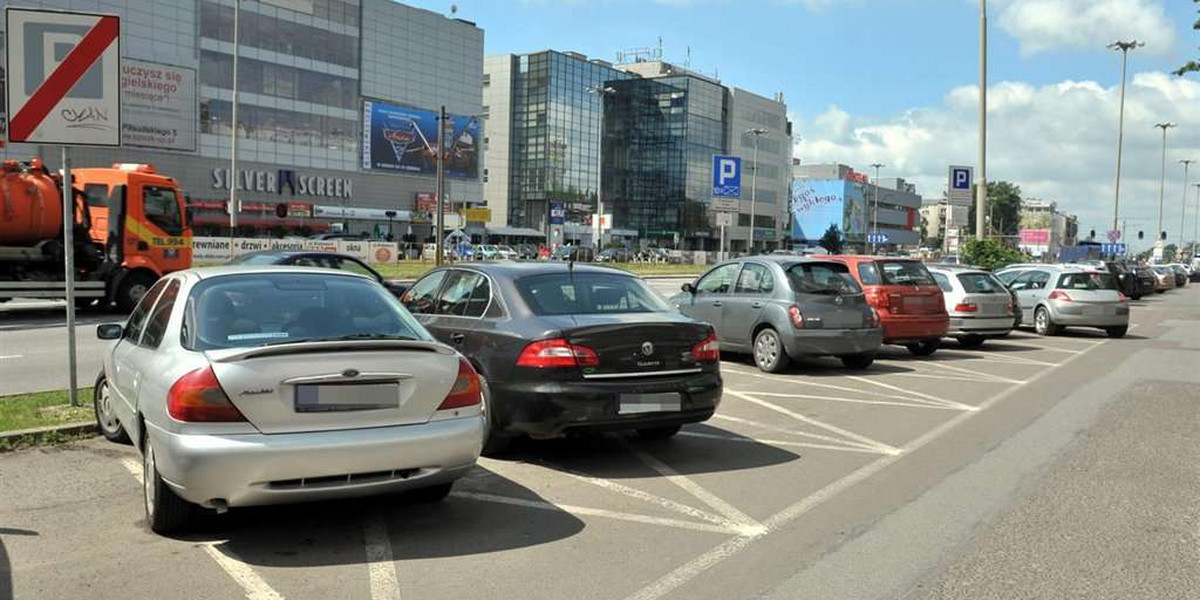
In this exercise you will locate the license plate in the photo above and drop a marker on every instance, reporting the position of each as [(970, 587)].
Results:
[(331, 398), (646, 403), (1095, 311)]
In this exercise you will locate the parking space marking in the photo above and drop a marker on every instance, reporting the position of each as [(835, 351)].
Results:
[(965, 371), (582, 511), (7, 356), (134, 468), (746, 524), (857, 440), (381, 567), (829, 386), (939, 402), (1000, 357), (666, 503), (771, 442), (254, 586), (905, 402)]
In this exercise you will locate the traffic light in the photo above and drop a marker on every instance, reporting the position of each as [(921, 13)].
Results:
[(1141, 235), (1092, 234)]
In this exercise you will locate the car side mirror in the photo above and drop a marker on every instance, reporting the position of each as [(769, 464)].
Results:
[(689, 288), (110, 331)]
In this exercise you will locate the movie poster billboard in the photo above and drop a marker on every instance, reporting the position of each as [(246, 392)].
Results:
[(403, 139), (158, 105), (817, 204)]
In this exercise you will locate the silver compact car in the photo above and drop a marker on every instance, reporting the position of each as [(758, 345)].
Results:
[(979, 305), (260, 385), (1057, 296)]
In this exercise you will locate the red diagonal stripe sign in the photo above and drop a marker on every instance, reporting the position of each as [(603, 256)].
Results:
[(65, 76)]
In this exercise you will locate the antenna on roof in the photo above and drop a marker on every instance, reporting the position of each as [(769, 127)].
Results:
[(453, 9)]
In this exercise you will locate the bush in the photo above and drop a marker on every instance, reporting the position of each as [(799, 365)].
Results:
[(989, 254)]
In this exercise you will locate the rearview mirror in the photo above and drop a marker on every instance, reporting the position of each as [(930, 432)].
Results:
[(110, 331), (689, 288)]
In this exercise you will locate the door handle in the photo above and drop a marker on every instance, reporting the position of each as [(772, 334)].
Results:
[(757, 304), (457, 338), (716, 303)]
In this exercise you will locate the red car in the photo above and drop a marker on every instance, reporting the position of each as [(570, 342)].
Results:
[(907, 298)]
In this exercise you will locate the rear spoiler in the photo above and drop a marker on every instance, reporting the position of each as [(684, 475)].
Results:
[(229, 355)]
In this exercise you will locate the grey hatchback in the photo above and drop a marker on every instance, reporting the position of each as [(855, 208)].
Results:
[(782, 307)]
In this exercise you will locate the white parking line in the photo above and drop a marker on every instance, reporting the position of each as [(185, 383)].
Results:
[(905, 402), (254, 586), (600, 512), (7, 356), (666, 503), (746, 525), (965, 371), (944, 403), (837, 443), (380, 564), (134, 468), (828, 386), (858, 440), (771, 442)]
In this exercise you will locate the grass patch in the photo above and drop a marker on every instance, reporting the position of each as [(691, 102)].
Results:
[(26, 411)]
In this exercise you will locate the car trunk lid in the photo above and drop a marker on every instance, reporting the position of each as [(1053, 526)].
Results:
[(834, 311), (635, 345)]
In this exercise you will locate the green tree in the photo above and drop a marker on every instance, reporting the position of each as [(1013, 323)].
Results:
[(989, 254), (1004, 207), (1191, 66), (832, 241)]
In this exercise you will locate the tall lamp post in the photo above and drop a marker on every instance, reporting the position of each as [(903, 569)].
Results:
[(1124, 47), (875, 209), (440, 219), (981, 184), (757, 132), (1183, 205), (598, 220), (1162, 181), (233, 177), (1196, 233)]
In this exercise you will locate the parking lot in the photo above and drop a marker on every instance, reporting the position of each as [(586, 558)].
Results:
[(791, 467)]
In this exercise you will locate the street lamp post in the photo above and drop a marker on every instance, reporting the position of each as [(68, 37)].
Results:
[(598, 220), (1124, 47), (1196, 233), (233, 177), (981, 185), (440, 220), (757, 132), (1183, 205), (875, 210), (1162, 181)]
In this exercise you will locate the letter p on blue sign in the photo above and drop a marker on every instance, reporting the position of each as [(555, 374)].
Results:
[(727, 176)]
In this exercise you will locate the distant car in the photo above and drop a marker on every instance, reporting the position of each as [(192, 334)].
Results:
[(1165, 279), (613, 255), (907, 298), (253, 385), (779, 308), (1057, 296), (979, 304), (1181, 274), (507, 253), (1147, 278), (338, 236), (572, 348), (487, 252), (325, 260)]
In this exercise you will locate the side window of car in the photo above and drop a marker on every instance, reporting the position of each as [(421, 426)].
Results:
[(419, 299), (755, 279), (1038, 279), (353, 266), (137, 319), (719, 280), (156, 326), (868, 273), (942, 281), (458, 297)]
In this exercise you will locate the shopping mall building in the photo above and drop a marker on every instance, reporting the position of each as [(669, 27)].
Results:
[(337, 106)]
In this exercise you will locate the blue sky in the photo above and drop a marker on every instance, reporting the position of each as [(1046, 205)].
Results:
[(894, 80)]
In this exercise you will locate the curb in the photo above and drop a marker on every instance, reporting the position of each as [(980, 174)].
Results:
[(22, 437)]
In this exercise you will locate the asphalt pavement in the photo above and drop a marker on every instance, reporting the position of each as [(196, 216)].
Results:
[(1030, 468), (33, 346)]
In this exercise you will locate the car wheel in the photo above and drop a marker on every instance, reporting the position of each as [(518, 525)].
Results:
[(431, 494), (1117, 332), (858, 362), (132, 289), (1159, 291), (1135, 296), (658, 433), (494, 442), (925, 348), (1042, 323), (971, 341), (106, 419), (769, 353), (166, 512)]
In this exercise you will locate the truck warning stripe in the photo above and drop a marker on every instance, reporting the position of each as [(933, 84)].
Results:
[(65, 76)]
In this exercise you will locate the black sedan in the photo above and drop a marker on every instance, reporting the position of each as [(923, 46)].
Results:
[(326, 260), (571, 348)]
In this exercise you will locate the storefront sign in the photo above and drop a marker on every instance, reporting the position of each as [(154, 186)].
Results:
[(477, 215), (285, 181), (158, 105)]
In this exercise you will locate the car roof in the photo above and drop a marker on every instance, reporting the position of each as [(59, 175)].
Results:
[(786, 259), (956, 268), (224, 270), (514, 270), (290, 253)]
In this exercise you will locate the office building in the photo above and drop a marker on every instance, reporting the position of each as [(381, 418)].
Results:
[(833, 194)]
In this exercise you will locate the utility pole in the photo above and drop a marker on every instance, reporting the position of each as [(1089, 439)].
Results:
[(757, 132), (440, 225), (981, 184), (875, 210), (1124, 47), (1183, 205), (1196, 234), (233, 133), (598, 220), (1162, 181)]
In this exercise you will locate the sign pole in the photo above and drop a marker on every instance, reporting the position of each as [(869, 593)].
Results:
[(68, 210), (439, 235), (721, 251)]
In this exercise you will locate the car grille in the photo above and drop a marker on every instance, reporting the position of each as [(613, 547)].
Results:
[(342, 480)]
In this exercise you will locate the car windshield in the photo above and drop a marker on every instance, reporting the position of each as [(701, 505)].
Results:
[(1087, 281), (980, 283), (905, 272), (238, 311), (587, 294), (822, 278)]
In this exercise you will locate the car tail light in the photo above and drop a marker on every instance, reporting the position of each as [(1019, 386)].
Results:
[(708, 350), (967, 307), (557, 352), (1121, 297), (466, 390), (198, 398), (1059, 295), (796, 316)]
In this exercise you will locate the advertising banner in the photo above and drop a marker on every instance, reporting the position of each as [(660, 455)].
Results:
[(817, 204), (383, 252), (403, 139), (359, 250), (158, 105), (1034, 236), (210, 250), (477, 215), (558, 213)]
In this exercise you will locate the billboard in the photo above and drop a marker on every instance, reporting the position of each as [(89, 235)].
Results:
[(158, 105), (817, 204), (403, 139)]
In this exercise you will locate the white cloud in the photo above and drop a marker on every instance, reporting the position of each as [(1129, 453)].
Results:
[(1057, 141), (1042, 25)]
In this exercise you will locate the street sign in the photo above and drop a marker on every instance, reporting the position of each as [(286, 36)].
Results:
[(1114, 249), (725, 205), (1114, 235), (727, 176), (477, 215), (877, 238), (959, 185), (64, 73), (724, 219)]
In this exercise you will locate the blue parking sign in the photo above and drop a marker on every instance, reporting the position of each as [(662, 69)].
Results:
[(727, 176)]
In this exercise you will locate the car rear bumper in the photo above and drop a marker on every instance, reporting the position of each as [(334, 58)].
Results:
[(256, 469), (1075, 316), (903, 328), (833, 342), (960, 326), (554, 408)]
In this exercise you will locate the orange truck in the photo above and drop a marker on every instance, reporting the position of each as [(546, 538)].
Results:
[(130, 228)]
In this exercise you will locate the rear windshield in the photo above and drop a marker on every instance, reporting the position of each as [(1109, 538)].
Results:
[(255, 259), (239, 311), (905, 272), (822, 278), (1087, 281), (980, 283), (588, 294)]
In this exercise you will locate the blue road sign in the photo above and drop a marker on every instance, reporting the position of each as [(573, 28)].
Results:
[(727, 176), (878, 238), (960, 183), (1114, 249)]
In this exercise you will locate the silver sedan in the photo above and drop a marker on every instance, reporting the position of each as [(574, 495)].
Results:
[(259, 385)]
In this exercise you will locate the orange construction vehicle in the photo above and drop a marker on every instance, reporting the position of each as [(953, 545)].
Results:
[(130, 228)]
